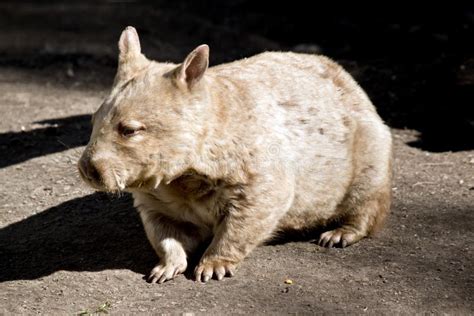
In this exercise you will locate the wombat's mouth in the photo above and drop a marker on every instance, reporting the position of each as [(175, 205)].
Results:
[(119, 180), (149, 183), (106, 181)]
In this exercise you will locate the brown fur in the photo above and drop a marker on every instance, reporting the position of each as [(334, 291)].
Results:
[(239, 152)]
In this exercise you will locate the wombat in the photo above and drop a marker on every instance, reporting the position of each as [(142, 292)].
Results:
[(235, 154)]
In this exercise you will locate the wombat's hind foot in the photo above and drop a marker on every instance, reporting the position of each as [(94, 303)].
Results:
[(342, 237), (360, 221)]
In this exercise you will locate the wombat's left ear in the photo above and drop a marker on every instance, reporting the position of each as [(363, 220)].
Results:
[(193, 67), (129, 43), (130, 57)]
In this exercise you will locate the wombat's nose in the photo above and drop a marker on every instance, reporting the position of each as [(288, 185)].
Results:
[(88, 170)]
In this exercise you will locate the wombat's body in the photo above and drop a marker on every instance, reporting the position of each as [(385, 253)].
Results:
[(236, 153)]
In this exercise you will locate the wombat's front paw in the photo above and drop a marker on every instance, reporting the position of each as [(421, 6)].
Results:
[(213, 267), (166, 271)]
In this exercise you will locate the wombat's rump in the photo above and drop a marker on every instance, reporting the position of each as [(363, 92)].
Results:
[(236, 153)]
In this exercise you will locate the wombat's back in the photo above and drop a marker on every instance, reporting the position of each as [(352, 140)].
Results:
[(284, 72), (311, 114)]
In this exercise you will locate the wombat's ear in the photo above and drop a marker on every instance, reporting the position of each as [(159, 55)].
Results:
[(193, 67), (130, 56), (129, 43)]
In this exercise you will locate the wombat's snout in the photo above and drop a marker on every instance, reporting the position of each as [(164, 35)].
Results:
[(88, 170)]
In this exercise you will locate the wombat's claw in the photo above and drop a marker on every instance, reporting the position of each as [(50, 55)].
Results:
[(162, 273), (214, 267), (338, 237)]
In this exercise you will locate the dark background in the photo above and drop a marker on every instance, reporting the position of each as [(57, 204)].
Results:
[(416, 63)]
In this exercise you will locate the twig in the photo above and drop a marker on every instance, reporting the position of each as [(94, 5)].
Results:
[(423, 183)]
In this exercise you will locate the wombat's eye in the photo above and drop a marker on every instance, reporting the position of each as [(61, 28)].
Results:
[(130, 130)]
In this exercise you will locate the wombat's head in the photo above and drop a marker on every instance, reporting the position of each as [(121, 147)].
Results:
[(152, 124)]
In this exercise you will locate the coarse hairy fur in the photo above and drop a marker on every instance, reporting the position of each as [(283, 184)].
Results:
[(239, 152)]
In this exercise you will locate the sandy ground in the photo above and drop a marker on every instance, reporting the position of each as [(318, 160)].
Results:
[(65, 249)]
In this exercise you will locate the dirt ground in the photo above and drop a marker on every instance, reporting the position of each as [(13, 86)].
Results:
[(65, 249)]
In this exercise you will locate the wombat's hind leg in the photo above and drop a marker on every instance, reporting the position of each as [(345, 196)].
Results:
[(358, 222)]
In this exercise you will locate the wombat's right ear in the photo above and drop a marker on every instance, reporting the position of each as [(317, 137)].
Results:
[(130, 58), (193, 67)]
